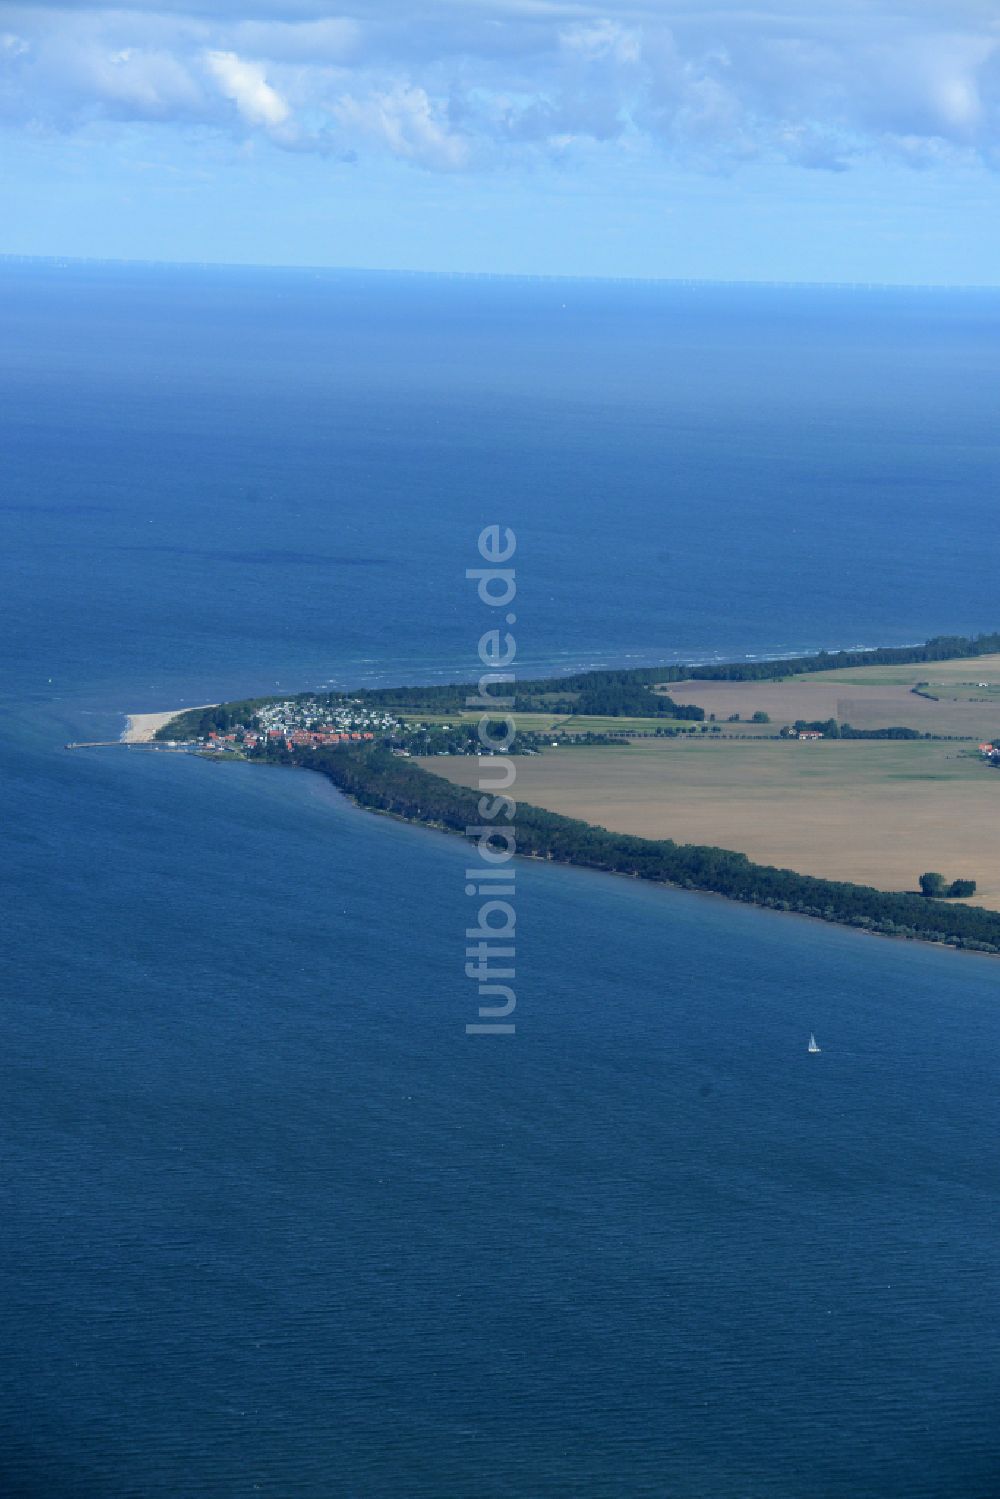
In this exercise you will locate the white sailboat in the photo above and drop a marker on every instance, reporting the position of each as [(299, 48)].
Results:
[(812, 1044)]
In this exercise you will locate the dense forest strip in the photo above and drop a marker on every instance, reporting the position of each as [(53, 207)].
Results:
[(389, 783)]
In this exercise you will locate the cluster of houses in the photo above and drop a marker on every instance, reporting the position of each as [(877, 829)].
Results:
[(299, 723), (788, 731), (293, 739), (990, 752)]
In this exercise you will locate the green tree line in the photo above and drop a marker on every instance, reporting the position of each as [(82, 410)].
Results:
[(388, 783), (830, 729), (564, 693)]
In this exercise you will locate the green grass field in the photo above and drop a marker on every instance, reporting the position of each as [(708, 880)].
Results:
[(944, 673), (545, 723)]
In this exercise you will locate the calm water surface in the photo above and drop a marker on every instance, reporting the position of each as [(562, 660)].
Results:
[(273, 1223)]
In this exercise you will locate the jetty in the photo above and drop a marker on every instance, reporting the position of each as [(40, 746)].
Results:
[(119, 744)]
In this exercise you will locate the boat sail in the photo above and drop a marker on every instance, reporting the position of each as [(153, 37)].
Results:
[(812, 1044)]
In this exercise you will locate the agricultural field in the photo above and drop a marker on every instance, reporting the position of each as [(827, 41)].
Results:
[(546, 723), (971, 669), (875, 812), (528, 723), (868, 697)]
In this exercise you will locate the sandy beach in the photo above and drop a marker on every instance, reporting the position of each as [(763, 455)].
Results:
[(140, 728)]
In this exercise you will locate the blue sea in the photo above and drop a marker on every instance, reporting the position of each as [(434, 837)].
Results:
[(273, 1224)]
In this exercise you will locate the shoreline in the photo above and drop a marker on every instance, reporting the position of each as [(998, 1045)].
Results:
[(412, 792), (148, 723), (618, 874), (694, 868), (141, 728)]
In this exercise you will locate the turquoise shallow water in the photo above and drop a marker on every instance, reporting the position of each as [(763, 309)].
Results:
[(274, 1223)]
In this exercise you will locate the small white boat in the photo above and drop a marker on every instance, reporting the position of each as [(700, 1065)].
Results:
[(812, 1045)]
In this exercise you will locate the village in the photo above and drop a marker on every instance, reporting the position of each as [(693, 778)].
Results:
[(312, 722), (301, 723)]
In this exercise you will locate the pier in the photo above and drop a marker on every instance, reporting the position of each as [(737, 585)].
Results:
[(118, 744)]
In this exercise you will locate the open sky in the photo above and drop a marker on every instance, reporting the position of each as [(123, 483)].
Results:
[(795, 140)]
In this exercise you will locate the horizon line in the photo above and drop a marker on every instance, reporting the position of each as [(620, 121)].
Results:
[(13, 258)]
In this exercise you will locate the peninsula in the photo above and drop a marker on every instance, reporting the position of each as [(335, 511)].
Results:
[(827, 785)]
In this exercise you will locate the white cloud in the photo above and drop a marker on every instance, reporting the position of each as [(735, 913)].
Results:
[(601, 41), (404, 121), (939, 82), (245, 84), (475, 82), (149, 83)]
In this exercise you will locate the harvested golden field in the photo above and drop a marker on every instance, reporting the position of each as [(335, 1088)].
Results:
[(972, 669), (866, 697), (874, 812)]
